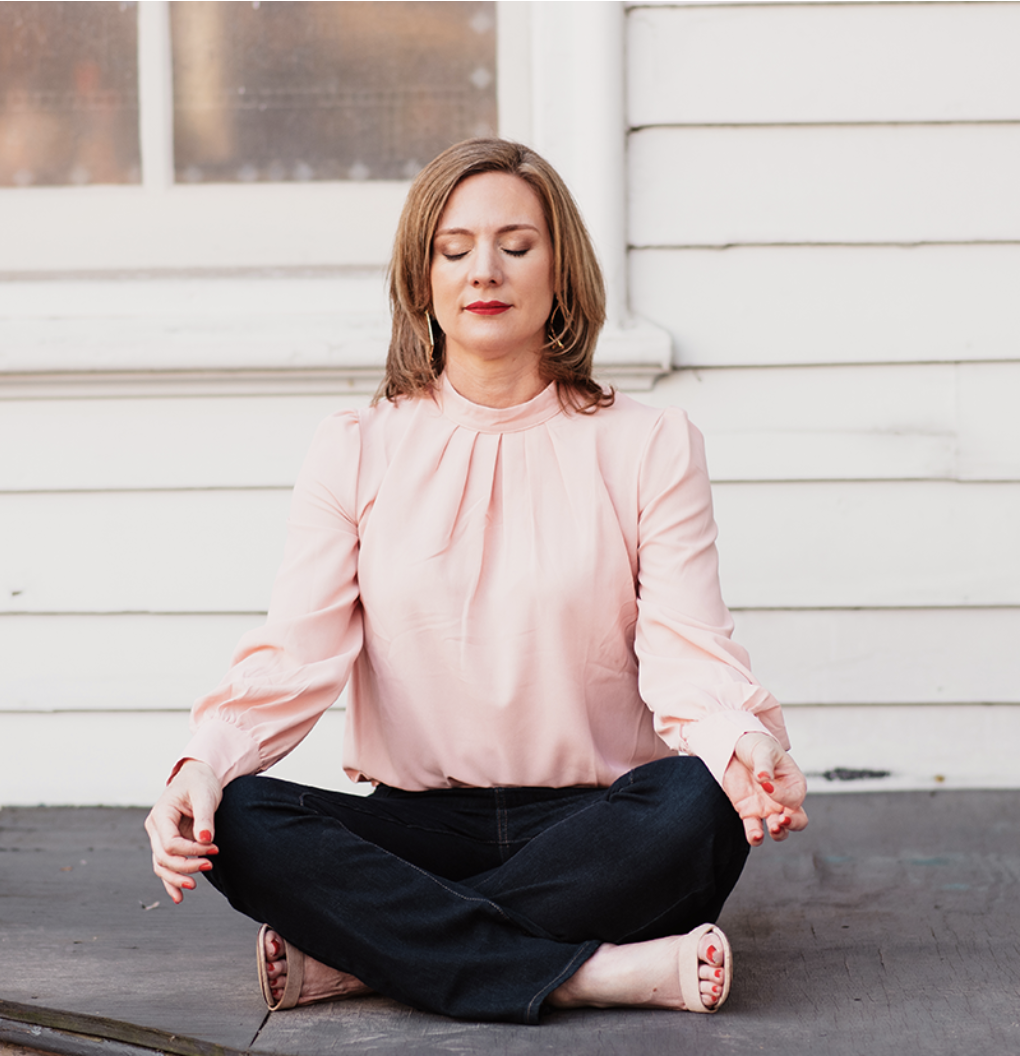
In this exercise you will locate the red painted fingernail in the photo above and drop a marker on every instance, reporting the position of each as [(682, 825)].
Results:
[(768, 787), (205, 836), (785, 821), (205, 866)]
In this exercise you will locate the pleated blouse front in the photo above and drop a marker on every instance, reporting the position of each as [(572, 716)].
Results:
[(520, 596)]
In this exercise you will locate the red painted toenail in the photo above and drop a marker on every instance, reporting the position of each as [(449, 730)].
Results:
[(711, 953), (718, 973)]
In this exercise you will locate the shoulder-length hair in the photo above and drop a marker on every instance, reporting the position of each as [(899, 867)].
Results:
[(417, 349)]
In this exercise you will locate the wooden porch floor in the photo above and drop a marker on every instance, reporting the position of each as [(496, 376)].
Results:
[(891, 926)]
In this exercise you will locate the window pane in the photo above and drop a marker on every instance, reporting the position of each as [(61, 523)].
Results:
[(327, 91), (68, 93)]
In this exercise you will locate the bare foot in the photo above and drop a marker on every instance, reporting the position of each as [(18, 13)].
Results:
[(642, 975), (320, 982)]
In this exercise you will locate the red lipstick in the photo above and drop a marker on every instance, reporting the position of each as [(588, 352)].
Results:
[(487, 307)]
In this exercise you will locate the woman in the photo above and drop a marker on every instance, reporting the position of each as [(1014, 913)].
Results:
[(517, 570)]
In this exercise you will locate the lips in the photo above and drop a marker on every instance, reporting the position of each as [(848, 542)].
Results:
[(487, 307)]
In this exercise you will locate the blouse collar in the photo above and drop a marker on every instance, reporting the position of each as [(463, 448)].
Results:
[(484, 419)]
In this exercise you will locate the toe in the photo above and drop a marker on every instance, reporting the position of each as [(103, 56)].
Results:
[(710, 993), (274, 946), (710, 950), (709, 974)]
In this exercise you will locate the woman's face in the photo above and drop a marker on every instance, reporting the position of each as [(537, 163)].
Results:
[(492, 270)]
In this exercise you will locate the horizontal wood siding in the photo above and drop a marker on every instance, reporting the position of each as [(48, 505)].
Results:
[(756, 305), (792, 544), (805, 656), (835, 62), (854, 184), (122, 758), (823, 216), (934, 421)]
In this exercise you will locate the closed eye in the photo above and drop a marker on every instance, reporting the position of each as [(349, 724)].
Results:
[(515, 252)]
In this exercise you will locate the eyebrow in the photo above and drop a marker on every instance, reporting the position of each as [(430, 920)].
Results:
[(501, 231)]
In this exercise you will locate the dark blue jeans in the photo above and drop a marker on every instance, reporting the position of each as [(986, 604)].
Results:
[(477, 903)]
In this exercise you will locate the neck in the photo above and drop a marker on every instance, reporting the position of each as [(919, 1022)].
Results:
[(496, 384)]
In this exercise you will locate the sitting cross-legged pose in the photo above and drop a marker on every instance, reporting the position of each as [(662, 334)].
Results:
[(515, 569)]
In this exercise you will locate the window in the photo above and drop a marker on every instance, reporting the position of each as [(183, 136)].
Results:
[(124, 125)]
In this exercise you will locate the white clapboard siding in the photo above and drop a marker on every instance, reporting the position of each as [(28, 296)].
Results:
[(806, 657), (834, 423), (918, 747), (124, 758), (782, 63), (869, 544), (989, 420), (191, 551), (884, 656), (784, 545), (201, 442), (757, 305), (855, 183), (114, 663), (923, 421)]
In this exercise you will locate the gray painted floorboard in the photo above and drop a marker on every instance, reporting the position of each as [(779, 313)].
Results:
[(891, 926)]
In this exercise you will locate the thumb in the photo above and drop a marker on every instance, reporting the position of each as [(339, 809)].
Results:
[(763, 760)]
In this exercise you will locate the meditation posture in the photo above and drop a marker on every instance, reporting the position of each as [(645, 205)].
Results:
[(514, 568)]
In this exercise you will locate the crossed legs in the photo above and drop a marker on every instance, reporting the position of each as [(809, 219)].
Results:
[(485, 903)]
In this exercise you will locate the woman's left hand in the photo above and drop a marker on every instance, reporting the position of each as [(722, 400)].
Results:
[(766, 788)]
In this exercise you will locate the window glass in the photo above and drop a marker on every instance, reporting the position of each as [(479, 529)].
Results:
[(68, 93), (327, 91)]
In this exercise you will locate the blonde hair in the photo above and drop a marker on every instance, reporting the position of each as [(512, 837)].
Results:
[(417, 355)]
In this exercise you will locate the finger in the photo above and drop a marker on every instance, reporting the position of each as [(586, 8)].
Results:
[(753, 831), (798, 820), (174, 893), (178, 850), (174, 884)]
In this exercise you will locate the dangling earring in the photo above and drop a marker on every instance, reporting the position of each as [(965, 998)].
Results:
[(555, 339), (428, 323)]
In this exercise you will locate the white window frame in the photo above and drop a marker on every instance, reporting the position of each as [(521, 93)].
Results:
[(173, 282)]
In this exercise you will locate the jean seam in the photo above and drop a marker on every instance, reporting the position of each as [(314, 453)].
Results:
[(585, 951), (502, 823)]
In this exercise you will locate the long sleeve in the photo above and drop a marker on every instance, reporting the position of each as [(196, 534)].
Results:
[(285, 674), (694, 677)]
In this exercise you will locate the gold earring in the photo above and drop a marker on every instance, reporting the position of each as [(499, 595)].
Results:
[(556, 339), (428, 323)]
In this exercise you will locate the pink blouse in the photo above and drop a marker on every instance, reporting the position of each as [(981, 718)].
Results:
[(519, 596)]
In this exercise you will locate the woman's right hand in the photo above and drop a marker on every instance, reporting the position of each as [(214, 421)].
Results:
[(180, 827)]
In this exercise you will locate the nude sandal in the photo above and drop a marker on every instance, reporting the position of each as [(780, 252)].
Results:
[(688, 964), (295, 973)]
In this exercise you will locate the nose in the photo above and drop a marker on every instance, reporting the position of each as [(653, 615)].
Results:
[(486, 269)]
